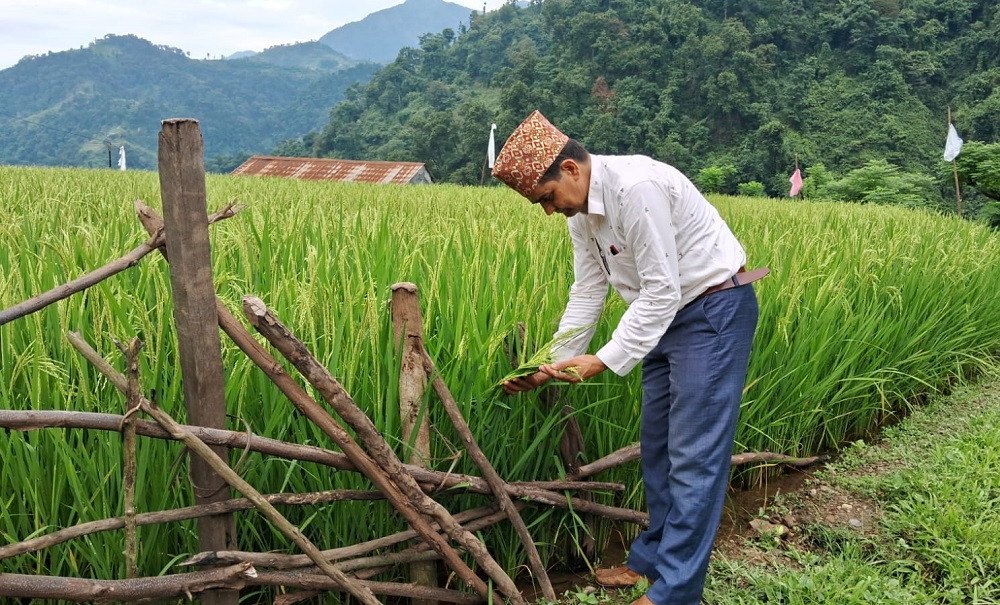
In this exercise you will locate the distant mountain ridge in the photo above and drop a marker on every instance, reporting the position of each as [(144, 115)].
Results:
[(380, 36), (307, 55), (65, 108)]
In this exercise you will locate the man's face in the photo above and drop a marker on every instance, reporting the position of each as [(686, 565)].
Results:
[(566, 195)]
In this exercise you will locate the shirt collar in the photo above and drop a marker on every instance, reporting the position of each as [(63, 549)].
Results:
[(595, 195)]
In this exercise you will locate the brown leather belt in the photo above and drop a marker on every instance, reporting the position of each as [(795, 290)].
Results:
[(742, 278)]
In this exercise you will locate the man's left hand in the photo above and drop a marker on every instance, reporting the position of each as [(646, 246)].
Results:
[(585, 366)]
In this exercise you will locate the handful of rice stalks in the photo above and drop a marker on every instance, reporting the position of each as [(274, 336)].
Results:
[(543, 356)]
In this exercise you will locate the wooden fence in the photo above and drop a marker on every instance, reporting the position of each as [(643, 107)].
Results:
[(435, 533)]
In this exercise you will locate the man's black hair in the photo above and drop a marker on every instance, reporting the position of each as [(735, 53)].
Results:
[(572, 150)]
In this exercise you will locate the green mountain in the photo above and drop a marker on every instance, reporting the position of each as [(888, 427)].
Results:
[(67, 108), (306, 55), (380, 36), (744, 87)]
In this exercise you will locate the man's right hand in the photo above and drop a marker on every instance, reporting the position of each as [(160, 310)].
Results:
[(525, 383)]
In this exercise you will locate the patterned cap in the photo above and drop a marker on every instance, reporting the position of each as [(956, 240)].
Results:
[(528, 153)]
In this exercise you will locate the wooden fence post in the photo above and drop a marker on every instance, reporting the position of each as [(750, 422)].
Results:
[(407, 325), (185, 217)]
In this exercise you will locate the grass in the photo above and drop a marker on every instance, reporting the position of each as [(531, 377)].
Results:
[(866, 308), (936, 479)]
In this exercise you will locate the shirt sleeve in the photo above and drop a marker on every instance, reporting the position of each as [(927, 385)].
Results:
[(586, 296), (649, 230)]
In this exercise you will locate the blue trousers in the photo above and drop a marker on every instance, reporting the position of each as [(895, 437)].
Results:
[(692, 383)]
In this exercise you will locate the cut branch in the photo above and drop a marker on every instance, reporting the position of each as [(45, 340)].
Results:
[(105, 591), (407, 327), (198, 447), (320, 378), (772, 458), (179, 514), (282, 561), (30, 420), (300, 580), (312, 410), (234, 577), (26, 420), (132, 398), (630, 453), (497, 485)]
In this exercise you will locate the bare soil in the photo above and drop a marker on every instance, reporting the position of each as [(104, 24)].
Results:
[(779, 509)]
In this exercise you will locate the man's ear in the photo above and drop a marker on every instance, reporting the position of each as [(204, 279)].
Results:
[(570, 167)]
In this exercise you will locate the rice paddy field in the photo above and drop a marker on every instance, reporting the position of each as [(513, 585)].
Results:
[(866, 310)]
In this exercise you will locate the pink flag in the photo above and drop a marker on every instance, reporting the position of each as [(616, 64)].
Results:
[(796, 181)]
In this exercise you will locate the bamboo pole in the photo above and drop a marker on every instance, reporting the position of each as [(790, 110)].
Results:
[(235, 577), (81, 283), (320, 378)]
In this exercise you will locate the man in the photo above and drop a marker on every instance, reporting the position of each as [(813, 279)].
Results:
[(641, 226)]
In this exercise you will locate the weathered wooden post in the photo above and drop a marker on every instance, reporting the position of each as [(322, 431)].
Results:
[(185, 218), (407, 325)]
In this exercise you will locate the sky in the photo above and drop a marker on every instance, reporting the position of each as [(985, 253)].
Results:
[(204, 28)]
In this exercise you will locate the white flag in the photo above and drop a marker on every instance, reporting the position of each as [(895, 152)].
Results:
[(121, 158), (953, 145), (491, 152)]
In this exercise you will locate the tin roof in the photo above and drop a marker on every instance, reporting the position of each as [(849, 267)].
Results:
[(323, 169)]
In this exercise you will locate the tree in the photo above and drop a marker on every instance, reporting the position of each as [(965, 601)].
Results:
[(879, 182)]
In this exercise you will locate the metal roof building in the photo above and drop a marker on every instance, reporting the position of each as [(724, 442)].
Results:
[(324, 169)]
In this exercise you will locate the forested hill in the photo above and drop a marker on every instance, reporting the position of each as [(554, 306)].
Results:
[(744, 86), (379, 36), (65, 108)]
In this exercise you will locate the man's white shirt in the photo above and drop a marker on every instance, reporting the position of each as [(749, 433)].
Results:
[(656, 240)]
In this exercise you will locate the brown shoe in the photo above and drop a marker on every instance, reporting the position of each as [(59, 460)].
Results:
[(617, 577)]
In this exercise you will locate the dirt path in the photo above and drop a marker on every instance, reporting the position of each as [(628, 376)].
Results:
[(822, 497)]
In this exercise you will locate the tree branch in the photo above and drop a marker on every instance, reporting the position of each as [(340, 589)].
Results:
[(105, 591)]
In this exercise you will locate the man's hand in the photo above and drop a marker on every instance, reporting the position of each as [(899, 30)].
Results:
[(584, 366), (525, 383)]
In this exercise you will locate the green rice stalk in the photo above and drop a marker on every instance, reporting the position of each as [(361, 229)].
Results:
[(543, 356)]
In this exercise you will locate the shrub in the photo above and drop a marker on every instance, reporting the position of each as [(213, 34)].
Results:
[(751, 189), (879, 182), (714, 179)]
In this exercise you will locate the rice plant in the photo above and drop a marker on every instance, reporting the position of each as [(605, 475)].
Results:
[(866, 309)]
